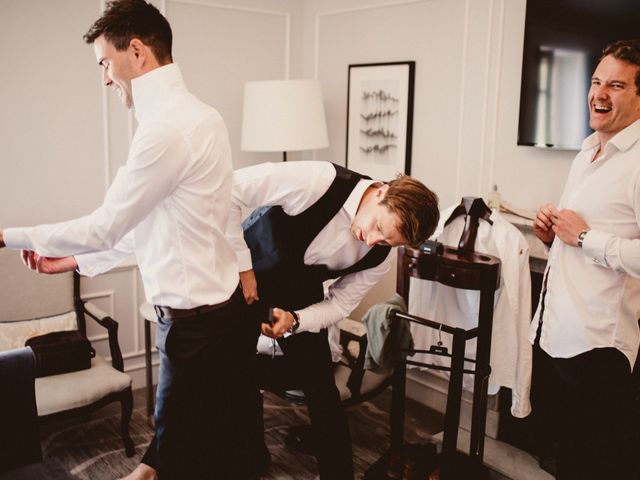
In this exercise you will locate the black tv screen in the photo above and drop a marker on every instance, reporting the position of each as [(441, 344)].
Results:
[(563, 40)]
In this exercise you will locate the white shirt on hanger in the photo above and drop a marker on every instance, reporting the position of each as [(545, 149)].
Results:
[(511, 353)]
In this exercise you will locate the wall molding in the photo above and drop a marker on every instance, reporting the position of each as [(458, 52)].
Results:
[(111, 294), (485, 100), (463, 74), (496, 95), (242, 8), (106, 131), (343, 11)]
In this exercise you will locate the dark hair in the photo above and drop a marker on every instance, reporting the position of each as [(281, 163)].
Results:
[(628, 51), (123, 20), (416, 207)]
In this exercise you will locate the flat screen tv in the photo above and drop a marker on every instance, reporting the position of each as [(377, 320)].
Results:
[(563, 40)]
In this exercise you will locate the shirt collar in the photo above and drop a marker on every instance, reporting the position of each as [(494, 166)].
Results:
[(150, 89), (623, 140), (353, 202)]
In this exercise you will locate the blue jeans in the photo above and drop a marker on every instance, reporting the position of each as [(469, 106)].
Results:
[(205, 388)]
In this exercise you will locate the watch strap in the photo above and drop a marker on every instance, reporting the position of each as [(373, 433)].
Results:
[(296, 322), (581, 236)]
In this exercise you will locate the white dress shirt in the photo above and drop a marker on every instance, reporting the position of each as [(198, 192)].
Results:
[(172, 199), (593, 293), (296, 186), (511, 353)]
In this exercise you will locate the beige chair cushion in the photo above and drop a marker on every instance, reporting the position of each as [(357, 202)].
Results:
[(77, 389), (14, 334), (370, 381), (352, 326)]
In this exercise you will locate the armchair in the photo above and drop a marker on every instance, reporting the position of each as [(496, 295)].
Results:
[(32, 303), (354, 382)]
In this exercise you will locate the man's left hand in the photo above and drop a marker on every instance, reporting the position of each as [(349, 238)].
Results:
[(567, 225), (249, 286)]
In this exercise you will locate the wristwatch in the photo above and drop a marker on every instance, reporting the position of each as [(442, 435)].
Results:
[(296, 322), (581, 236)]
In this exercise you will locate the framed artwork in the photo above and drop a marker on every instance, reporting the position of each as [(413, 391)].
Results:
[(380, 118)]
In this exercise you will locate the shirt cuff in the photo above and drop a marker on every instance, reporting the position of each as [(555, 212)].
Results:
[(244, 260), (594, 246), (306, 322), (16, 238), (85, 265)]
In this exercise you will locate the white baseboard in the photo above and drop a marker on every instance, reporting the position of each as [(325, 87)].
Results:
[(431, 391)]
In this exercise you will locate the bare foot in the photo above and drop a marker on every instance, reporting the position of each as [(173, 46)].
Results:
[(142, 472)]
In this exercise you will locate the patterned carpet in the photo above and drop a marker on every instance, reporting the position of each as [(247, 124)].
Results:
[(91, 448)]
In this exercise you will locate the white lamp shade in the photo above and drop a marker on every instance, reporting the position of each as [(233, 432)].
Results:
[(283, 115)]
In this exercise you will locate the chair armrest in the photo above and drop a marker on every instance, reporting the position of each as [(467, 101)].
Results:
[(112, 329), (350, 331)]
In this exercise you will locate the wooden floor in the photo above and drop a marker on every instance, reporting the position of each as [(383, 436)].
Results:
[(91, 448)]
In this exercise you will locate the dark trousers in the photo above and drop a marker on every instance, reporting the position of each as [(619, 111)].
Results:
[(205, 387), (307, 365), (585, 402)]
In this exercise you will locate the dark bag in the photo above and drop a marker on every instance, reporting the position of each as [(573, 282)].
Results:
[(61, 352)]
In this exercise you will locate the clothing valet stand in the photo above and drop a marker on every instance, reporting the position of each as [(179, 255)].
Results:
[(458, 268)]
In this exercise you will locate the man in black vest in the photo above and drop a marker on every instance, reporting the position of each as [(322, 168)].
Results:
[(324, 222)]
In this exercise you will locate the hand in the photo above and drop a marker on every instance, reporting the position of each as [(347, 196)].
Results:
[(282, 322), (2, 244), (249, 286), (41, 264), (567, 225), (542, 226)]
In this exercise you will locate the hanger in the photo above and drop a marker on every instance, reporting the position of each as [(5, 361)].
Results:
[(474, 209)]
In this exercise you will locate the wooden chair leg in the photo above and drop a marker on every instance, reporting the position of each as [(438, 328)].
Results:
[(127, 408)]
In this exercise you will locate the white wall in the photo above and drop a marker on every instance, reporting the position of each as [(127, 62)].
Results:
[(63, 136), (468, 55)]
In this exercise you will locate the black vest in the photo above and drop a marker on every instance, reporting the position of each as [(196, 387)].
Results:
[(278, 242)]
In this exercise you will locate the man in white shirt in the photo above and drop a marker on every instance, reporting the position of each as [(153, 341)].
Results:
[(169, 205), (327, 223), (585, 332)]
